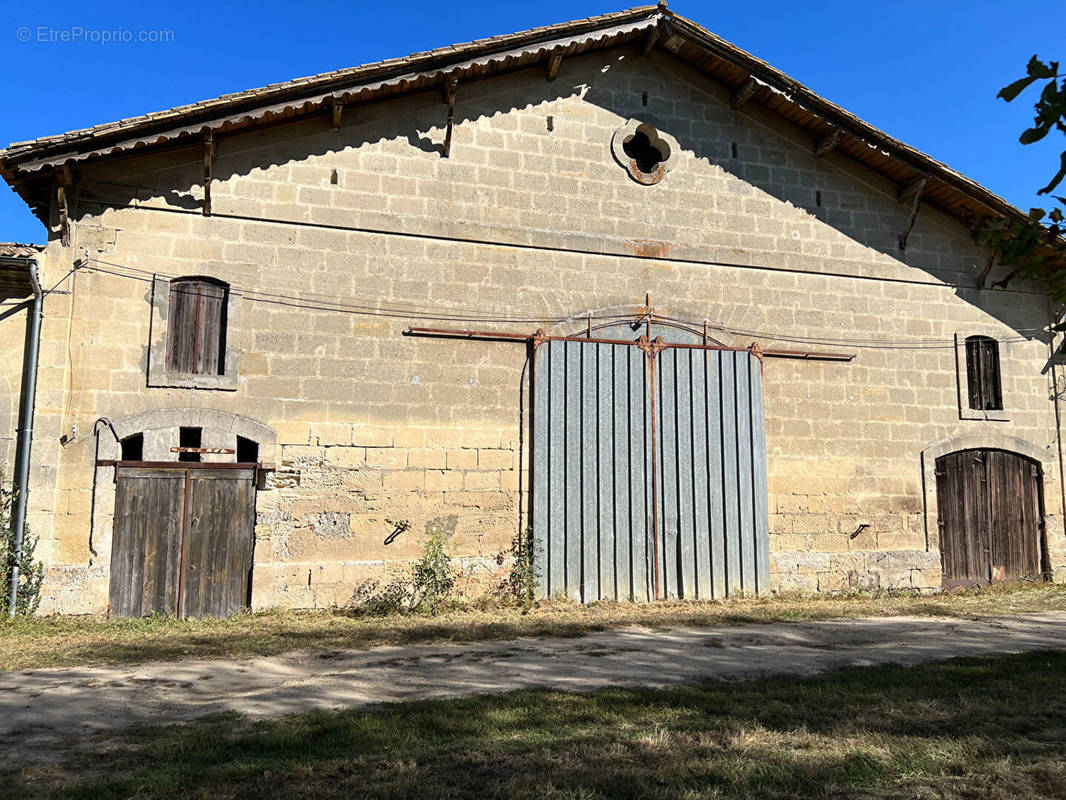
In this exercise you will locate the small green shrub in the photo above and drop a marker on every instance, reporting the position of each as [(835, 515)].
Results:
[(432, 576), (520, 584), (425, 586), (31, 572)]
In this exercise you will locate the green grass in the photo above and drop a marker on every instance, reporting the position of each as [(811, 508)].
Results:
[(32, 643), (991, 727)]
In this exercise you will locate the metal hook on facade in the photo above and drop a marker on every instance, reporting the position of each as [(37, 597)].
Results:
[(398, 528)]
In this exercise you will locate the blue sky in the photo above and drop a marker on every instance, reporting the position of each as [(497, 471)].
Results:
[(925, 72)]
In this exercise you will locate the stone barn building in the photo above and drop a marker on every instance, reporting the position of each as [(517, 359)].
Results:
[(615, 282)]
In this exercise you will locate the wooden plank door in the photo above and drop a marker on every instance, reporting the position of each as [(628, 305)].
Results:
[(146, 544), (989, 517), (962, 518), (219, 539), (183, 540), (1016, 518)]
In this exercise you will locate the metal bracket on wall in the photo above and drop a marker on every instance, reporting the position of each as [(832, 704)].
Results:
[(450, 87), (916, 188), (66, 182), (209, 155)]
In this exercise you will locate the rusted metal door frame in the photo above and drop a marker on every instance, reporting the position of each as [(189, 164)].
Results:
[(188, 468)]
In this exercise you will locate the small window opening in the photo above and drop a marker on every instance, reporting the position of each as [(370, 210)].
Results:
[(644, 99), (551, 123), (333, 177), (190, 437), (818, 198), (133, 447), (247, 451), (643, 152), (734, 149), (983, 379)]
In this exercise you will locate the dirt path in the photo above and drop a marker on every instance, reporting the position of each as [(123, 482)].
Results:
[(43, 712)]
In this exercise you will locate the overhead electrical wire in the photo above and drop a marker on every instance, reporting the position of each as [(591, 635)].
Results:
[(348, 306), (365, 307)]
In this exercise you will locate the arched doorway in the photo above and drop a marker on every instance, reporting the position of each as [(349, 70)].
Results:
[(990, 516), (183, 487)]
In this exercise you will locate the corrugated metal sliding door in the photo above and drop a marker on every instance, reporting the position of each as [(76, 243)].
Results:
[(592, 505), (183, 540), (626, 504), (711, 464)]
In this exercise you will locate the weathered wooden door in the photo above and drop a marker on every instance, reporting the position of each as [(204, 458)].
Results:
[(649, 473), (183, 539), (990, 517)]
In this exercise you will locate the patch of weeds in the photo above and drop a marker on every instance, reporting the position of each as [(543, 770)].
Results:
[(31, 571), (424, 586), (520, 584)]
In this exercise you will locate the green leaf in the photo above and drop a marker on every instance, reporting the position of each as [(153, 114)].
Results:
[(1038, 69), (1035, 134), (1058, 175), (1010, 91)]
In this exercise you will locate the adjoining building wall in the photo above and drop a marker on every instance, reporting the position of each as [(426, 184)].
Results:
[(12, 332), (338, 240)]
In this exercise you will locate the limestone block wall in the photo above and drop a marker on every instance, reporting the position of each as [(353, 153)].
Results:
[(339, 240), (342, 491)]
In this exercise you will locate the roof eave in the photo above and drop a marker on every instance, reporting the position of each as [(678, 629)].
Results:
[(27, 166)]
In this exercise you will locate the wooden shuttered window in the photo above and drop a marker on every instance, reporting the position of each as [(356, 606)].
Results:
[(983, 380), (196, 327)]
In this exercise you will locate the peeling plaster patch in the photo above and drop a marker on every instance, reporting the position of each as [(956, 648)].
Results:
[(445, 524), (332, 525)]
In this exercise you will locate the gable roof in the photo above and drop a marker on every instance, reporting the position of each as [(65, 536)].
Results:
[(30, 166)]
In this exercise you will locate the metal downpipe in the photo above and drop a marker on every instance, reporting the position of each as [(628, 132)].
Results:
[(25, 429)]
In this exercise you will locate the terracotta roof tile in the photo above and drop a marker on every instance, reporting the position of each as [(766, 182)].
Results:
[(15, 250)]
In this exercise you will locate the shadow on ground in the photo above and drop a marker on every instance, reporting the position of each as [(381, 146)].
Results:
[(979, 727)]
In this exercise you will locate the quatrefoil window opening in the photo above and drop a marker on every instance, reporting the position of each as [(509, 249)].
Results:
[(646, 153)]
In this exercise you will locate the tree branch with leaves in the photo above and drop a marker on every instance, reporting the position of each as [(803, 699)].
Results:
[(1030, 245)]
